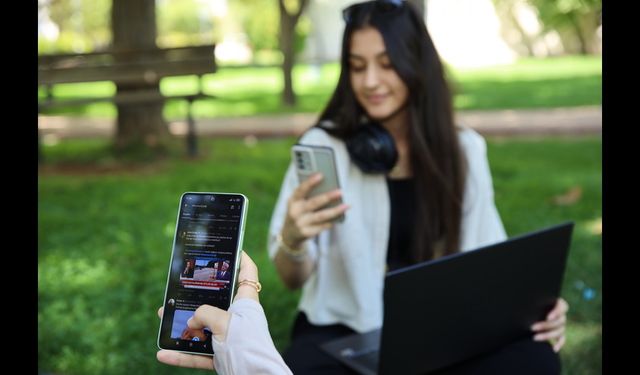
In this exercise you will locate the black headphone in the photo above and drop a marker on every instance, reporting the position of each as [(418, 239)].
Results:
[(372, 148)]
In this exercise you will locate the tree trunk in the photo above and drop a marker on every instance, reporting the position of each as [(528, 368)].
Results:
[(287, 34), (140, 127), (288, 22), (573, 17), (589, 23), (526, 40)]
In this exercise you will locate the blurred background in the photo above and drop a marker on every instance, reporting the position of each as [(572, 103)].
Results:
[(142, 100)]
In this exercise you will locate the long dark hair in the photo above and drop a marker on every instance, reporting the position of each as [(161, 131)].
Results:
[(436, 160)]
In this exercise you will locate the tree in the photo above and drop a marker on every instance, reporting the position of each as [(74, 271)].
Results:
[(290, 12), (140, 127), (581, 18)]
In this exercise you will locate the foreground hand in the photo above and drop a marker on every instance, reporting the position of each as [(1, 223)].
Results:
[(304, 217), (217, 320), (553, 329)]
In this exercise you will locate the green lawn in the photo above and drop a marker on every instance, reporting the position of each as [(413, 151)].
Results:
[(529, 83), (104, 241)]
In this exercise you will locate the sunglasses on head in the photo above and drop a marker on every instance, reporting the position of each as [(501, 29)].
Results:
[(382, 6)]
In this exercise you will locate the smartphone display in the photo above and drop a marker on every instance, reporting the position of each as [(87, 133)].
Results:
[(312, 159), (203, 266)]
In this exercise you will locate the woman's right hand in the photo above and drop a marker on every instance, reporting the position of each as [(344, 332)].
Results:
[(304, 217)]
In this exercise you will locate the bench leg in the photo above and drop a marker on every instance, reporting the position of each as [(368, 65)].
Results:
[(192, 147)]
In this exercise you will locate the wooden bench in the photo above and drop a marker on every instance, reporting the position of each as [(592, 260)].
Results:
[(142, 67)]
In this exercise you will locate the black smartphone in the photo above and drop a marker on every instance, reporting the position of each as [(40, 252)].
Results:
[(203, 267), (310, 159)]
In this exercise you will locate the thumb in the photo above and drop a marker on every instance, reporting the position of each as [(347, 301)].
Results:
[(217, 320)]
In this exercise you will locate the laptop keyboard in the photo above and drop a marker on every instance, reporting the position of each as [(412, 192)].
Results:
[(358, 351), (368, 359)]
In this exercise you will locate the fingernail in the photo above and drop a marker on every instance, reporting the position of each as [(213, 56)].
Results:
[(536, 338), (534, 327)]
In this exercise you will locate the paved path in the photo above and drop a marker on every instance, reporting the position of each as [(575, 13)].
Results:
[(560, 121)]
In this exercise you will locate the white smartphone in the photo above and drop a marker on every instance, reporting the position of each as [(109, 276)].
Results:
[(203, 267), (309, 159)]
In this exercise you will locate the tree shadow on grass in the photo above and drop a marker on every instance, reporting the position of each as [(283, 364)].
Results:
[(97, 156)]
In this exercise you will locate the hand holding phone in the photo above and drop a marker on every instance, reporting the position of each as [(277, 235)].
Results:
[(310, 160), (203, 268), (218, 321)]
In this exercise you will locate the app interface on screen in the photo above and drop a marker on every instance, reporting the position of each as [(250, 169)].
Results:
[(202, 267)]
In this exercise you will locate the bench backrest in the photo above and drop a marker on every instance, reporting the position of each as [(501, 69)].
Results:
[(124, 66)]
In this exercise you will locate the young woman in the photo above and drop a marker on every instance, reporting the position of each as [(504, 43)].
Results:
[(415, 185)]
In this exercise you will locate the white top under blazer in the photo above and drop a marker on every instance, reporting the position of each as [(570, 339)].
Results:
[(350, 258)]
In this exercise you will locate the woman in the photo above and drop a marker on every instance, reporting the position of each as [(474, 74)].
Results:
[(415, 187)]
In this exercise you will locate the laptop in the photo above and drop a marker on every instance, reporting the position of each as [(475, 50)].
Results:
[(442, 312)]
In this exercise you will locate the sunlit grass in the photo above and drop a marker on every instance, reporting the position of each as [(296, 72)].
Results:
[(582, 353), (532, 69)]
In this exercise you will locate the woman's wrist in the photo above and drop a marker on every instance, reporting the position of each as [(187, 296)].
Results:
[(296, 252)]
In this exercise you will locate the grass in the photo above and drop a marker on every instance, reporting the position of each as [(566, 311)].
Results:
[(529, 83), (105, 240)]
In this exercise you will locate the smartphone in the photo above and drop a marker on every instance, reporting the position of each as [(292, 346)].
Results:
[(310, 159), (203, 267)]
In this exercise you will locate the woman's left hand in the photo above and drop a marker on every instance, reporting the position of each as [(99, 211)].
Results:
[(215, 319), (552, 329)]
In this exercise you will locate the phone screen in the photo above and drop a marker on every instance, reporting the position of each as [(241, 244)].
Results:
[(203, 265)]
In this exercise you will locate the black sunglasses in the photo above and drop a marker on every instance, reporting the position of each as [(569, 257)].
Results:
[(382, 6)]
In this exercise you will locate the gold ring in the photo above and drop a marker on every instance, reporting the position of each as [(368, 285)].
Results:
[(254, 284)]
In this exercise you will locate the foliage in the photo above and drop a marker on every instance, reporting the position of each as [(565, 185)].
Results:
[(301, 32), (259, 19), (560, 13), (183, 22), (576, 21), (84, 26), (104, 242)]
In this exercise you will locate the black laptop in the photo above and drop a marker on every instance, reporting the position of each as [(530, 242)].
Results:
[(445, 311)]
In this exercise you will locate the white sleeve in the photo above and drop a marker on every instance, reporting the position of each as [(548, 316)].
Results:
[(481, 223), (248, 348)]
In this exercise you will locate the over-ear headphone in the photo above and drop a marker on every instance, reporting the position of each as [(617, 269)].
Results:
[(372, 148)]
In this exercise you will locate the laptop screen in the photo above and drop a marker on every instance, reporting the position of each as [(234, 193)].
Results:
[(451, 309)]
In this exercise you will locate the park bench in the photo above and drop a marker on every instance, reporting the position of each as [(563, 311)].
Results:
[(132, 67)]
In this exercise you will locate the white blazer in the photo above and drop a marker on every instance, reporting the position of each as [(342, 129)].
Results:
[(350, 258)]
